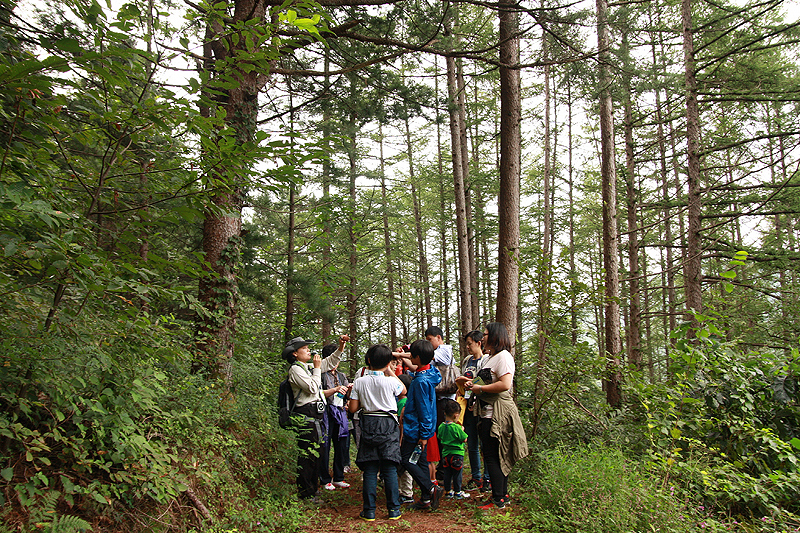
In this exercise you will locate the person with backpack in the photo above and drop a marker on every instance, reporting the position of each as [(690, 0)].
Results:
[(305, 378)]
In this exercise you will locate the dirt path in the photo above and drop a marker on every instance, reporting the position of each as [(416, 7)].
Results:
[(339, 514)]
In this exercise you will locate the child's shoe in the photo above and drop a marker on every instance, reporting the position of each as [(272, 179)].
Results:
[(406, 499), (487, 486), (490, 505), (395, 515), (330, 486), (341, 484), (461, 495), (369, 517), (450, 495)]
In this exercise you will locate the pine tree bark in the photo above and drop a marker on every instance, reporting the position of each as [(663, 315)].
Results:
[(510, 167), (222, 226), (692, 270), (608, 172), (465, 306)]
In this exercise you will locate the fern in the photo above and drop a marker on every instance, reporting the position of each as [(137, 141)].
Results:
[(67, 524)]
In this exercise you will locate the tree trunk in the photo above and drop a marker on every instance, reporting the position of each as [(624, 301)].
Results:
[(510, 167), (692, 270), (608, 172), (635, 306), (423, 260), (222, 227), (465, 306), (387, 249)]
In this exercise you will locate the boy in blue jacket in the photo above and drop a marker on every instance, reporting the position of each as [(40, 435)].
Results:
[(419, 423)]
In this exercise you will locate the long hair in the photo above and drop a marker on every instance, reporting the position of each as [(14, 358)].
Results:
[(497, 338)]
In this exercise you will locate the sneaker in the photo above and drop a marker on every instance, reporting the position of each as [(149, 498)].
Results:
[(493, 505), (395, 515), (451, 495), (369, 517), (329, 486), (436, 495), (420, 506), (461, 495), (347, 470), (406, 499), (486, 487), (474, 483), (341, 484)]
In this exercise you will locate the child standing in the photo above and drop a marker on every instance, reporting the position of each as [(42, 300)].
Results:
[(452, 438), (419, 424), (375, 394)]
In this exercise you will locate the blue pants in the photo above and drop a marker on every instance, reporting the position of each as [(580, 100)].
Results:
[(388, 470), (419, 470), (473, 445)]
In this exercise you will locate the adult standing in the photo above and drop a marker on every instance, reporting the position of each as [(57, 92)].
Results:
[(337, 432), (470, 367), (500, 428), (305, 377)]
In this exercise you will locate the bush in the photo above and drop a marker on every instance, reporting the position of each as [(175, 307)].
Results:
[(595, 489)]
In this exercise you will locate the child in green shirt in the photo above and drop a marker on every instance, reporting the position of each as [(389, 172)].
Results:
[(451, 440)]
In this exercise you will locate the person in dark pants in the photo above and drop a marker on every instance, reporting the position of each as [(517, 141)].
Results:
[(305, 377), (337, 432), (419, 424)]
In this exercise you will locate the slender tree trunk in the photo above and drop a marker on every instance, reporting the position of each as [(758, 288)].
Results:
[(613, 344), (387, 248), (692, 270), (510, 167), (423, 260), (635, 306), (573, 274), (465, 306), (326, 188), (443, 218), (352, 294)]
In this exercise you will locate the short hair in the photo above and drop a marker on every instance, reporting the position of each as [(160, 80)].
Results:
[(378, 356), (497, 338), (406, 379), (476, 335), (434, 331), (328, 350), (422, 349), (451, 407)]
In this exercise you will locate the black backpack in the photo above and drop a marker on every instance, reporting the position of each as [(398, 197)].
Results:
[(286, 404)]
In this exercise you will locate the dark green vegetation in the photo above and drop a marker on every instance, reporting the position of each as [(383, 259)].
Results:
[(141, 316)]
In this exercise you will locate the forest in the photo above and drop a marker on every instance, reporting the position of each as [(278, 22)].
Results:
[(185, 186)]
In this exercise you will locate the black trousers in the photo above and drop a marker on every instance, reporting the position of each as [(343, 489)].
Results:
[(308, 443), (491, 459)]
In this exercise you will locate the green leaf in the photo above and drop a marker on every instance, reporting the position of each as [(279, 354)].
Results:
[(8, 473), (69, 45), (795, 442), (729, 274)]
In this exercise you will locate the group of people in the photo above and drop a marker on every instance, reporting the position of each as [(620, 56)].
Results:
[(407, 424)]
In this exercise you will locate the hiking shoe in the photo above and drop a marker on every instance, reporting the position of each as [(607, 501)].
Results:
[(369, 517), (486, 487), (329, 486), (474, 483), (493, 505), (420, 506), (450, 495), (436, 495), (341, 484), (461, 495), (406, 499), (395, 515)]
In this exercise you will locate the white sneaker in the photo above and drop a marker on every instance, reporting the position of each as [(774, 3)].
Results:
[(461, 495), (330, 486), (347, 470), (341, 484)]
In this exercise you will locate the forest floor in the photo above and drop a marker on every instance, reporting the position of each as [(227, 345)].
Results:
[(339, 513)]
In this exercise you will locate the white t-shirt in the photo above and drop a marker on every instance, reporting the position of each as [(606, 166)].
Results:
[(376, 391), (500, 364)]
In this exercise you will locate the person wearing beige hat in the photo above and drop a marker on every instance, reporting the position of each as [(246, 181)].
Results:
[(305, 377)]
